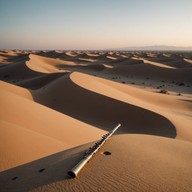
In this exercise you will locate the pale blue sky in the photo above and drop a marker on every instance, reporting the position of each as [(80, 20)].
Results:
[(94, 24)]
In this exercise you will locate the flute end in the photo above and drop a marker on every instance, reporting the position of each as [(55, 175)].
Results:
[(71, 174)]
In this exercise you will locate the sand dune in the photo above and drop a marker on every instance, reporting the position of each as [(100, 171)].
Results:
[(56, 104), (142, 152), (17, 71), (43, 64), (136, 163), (175, 61), (106, 113), (153, 71), (15, 90), (33, 119)]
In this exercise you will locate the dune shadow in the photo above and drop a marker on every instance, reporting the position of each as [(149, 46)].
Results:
[(186, 100), (18, 71), (91, 67), (40, 81), (102, 111)]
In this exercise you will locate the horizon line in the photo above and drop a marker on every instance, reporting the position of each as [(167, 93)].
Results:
[(145, 47)]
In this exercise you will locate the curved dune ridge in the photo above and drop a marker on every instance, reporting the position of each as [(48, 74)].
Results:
[(17, 71), (56, 104), (106, 113), (176, 61)]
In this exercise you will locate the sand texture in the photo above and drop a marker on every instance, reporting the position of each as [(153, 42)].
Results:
[(57, 104)]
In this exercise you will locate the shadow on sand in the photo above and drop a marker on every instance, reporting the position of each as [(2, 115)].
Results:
[(41, 172)]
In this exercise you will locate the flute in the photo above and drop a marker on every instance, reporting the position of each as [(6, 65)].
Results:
[(89, 154)]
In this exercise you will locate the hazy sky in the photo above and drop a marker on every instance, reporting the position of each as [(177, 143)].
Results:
[(94, 24)]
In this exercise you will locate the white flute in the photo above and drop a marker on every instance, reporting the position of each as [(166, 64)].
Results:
[(89, 154)]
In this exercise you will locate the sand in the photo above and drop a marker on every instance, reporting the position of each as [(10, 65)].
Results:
[(56, 104)]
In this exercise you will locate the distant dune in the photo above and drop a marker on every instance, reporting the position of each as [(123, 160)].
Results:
[(57, 104), (155, 48)]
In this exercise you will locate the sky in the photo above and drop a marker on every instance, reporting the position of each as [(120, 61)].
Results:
[(94, 24)]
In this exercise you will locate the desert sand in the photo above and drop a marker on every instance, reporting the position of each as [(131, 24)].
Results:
[(57, 104)]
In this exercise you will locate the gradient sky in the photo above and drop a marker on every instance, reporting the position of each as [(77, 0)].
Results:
[(94, 24)]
